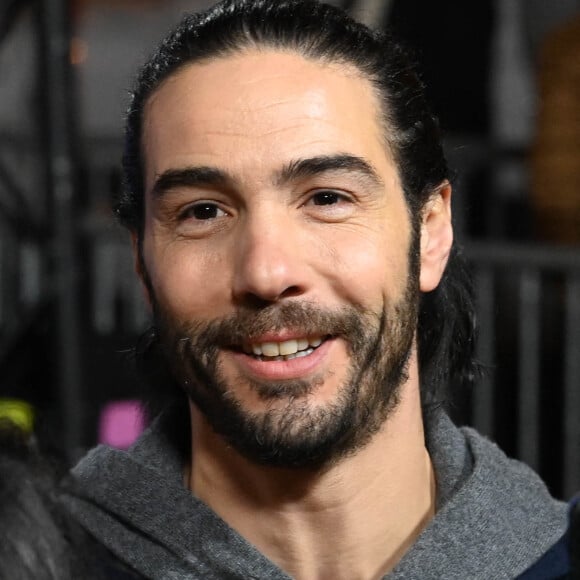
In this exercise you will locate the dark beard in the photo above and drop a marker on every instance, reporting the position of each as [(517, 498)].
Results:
[(297, 434)]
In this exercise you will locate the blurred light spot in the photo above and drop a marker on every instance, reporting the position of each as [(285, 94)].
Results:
[(79, 50), (121, 423), (18, 412)]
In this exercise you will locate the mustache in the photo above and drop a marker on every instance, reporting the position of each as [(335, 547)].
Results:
[(304, 318)]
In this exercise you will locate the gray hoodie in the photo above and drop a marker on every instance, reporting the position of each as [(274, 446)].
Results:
[(494, 517)]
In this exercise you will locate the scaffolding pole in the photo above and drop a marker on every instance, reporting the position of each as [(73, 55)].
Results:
[(59, 106)]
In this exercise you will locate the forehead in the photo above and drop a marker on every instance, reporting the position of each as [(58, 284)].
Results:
[(254, 109)]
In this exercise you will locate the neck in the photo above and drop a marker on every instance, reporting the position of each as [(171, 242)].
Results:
[(354, 520)]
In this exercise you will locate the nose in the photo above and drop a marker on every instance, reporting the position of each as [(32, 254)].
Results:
[(269, 261)]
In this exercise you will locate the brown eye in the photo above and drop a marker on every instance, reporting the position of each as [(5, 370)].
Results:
[(204, 211), (326, 198), (330, 205)]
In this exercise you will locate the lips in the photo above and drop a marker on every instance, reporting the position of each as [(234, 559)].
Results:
[(307, 358)]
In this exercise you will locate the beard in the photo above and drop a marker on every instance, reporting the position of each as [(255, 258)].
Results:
[(292, 432)]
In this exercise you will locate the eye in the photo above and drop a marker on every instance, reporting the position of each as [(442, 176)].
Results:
[(203, 211), (327, 198), (330, 205)]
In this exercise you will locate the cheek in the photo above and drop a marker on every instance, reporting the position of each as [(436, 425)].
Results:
[(368, 266), (187, 280)]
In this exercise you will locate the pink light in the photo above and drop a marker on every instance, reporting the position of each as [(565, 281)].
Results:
[(121, 423)]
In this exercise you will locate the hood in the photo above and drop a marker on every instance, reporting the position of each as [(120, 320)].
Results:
[(494, 517)]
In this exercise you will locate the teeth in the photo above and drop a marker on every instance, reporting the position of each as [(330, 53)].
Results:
[(288, 348), (270, 348), (299, 354), (302, 344)]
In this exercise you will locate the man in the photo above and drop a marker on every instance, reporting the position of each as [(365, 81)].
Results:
[(289, 206)]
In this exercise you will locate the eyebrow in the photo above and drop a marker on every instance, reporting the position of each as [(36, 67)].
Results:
[(206, 176), (312, 166), (190, 177)]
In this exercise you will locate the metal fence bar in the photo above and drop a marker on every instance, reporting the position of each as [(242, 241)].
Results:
[(105, 285), (535, 256), (571, 483), (30, 274), (482, 405), (4, 272), (61, 147), (529, 371), (9, 269)]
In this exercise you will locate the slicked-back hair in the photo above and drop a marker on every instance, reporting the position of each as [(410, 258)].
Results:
[(323, 33)]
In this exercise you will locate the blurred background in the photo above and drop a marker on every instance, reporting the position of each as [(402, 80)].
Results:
[(504, 78)]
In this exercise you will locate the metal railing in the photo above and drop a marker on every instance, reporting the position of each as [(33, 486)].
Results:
[(537, 288)]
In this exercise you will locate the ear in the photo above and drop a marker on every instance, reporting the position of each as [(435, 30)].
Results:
[(436, 237), (140, 266)]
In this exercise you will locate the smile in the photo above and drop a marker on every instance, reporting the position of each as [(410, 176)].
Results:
[(297, 357), (283, 350)]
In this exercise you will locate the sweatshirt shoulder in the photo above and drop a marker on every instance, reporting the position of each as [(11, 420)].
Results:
[(497, 521), (509, 480)]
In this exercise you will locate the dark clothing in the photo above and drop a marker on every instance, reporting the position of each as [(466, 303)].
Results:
[(494, 518), (562, 560), (553, 565), (574, 540)]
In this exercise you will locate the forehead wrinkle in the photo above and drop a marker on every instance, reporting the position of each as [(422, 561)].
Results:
[(243, 134)]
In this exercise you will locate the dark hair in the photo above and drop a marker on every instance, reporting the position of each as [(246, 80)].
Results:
[(321, 32)]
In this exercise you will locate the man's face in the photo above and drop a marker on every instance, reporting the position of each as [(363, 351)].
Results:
[(276, 245)]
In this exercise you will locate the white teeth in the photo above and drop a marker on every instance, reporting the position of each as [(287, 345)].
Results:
[(270, 348), (287, 348), (299, 354)]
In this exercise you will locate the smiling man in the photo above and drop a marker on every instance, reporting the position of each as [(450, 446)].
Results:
[(289, 205)]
